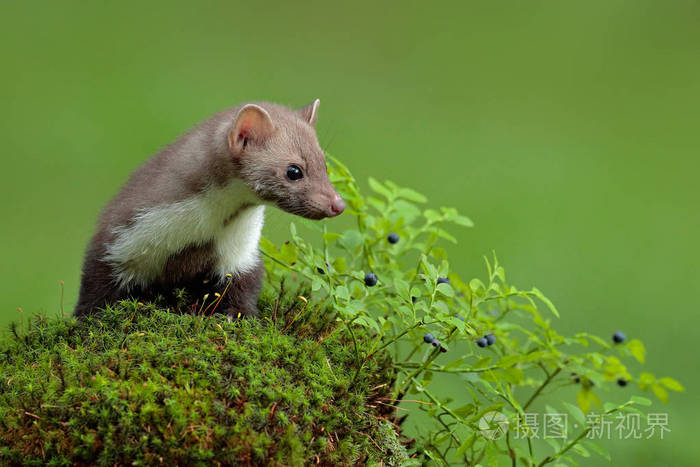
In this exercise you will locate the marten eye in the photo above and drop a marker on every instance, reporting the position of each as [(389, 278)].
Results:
[(294, 173)]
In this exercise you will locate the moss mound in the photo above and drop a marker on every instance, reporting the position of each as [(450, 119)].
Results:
[(137, 385)]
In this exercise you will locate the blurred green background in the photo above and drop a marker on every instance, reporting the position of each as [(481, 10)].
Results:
[(567, 131)]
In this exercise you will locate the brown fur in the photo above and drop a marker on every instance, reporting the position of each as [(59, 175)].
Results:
[(241, 143)]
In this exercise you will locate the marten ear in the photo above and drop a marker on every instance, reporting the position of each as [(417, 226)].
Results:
[(253, 123), (310, 112)]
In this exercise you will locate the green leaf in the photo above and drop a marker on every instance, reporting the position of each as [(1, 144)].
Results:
[(376, 203), (584, 402), (351, 239), (596, 339), (379, 188), (500, 273), (509, 360), (331, 237), (404, 209), (671, 384), (554, 443), (342, 292), (288, 253), (464, 410), (430, 270), (537, 293), (402, 289), (339, 265), (432, 215), (597, 449), (576, 412), (513, 375), (454, 363), (446, 235), (641, 400), (317, 283), (444, 268), (417, 462), (637, 349), (610, 407), (412, 195), (456, 323), (446, 289), (267, 246), (482, 363), (462, 220), (660, 392), (581, 450), (367, 322), (646, 380), (466, 445)]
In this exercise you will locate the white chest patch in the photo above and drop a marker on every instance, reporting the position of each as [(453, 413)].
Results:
[(140, 251)]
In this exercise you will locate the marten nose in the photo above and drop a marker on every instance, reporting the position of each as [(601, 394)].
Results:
[(337, 205)]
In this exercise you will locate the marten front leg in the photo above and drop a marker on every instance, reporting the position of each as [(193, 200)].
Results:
[(241, 297)]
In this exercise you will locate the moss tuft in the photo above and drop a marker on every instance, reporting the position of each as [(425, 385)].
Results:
[(141, 386)]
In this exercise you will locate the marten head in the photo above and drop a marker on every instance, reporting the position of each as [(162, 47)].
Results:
[(276, 152)]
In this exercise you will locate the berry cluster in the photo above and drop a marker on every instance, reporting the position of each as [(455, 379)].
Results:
[(488, 339), (618, 337), (430, 339)]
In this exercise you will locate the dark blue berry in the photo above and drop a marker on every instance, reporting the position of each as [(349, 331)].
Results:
[(370, 279), (393, 238), (622, 382), (459, 317), (482, 342), (619, 337), (443, 280), (490, 339), (320, 270), (414, 299), (436, 343), (428, 338)]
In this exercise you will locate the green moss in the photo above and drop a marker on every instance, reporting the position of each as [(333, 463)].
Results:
[(139, 385)]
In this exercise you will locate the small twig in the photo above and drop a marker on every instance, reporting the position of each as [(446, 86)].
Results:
[(221, 297), (375, 443), (306, 302), (63, 313), (549, 459), (539, 389), (406, 400), (390, 405), (32, 415)]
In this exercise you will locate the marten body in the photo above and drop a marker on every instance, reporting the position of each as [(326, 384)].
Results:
[(191, 217)]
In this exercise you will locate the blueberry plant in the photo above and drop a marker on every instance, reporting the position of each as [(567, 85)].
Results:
[(494, 343), (369, 349)]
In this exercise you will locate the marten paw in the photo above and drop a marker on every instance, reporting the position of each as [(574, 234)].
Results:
[(235, 313)]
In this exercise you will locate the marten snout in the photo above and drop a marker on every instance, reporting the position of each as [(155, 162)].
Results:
[(337, 205), (315, 206)]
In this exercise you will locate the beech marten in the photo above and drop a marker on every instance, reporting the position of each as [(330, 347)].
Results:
[(191, 216)]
